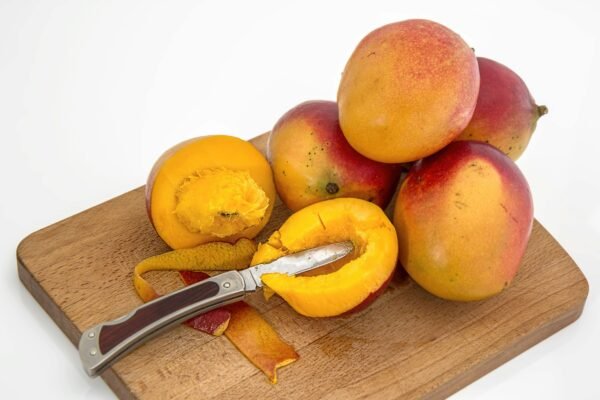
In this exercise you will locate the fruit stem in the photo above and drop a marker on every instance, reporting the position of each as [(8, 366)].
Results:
[(542, 110)]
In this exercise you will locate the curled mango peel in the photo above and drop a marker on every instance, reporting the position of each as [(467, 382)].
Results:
[(210, 256), (215, 256)]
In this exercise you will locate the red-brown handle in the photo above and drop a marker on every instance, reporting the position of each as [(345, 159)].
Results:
[(106, 342), (112, 335)]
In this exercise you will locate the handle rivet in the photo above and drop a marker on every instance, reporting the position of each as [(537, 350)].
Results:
[(226, 285), (93, 352), (91, 334)]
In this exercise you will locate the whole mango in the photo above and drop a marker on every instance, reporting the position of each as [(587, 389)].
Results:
[(506, 114), (408, 90), (312, 160), (463, 218)]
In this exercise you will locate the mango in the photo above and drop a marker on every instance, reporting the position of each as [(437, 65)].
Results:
[(506, 114), (463, 218), (408, 90), (360, 277), (312, 160), (210, 188)]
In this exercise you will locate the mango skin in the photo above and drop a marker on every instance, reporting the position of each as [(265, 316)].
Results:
[(463, 218), (312, 160), (408, 90), (506, 114)]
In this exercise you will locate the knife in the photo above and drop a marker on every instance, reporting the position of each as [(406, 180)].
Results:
[(105, 343)]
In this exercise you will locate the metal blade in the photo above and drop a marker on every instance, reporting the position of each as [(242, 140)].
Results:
[(296, 263)]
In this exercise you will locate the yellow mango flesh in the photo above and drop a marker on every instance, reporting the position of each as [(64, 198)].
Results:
[(373, 261), (240, 203)]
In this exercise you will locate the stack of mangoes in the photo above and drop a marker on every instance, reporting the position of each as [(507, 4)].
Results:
[(413, 92), (414, 101)]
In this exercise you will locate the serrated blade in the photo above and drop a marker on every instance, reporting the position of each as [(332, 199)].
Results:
[(296, 263)]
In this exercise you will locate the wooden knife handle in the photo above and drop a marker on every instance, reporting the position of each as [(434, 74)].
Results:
[(104, 343)]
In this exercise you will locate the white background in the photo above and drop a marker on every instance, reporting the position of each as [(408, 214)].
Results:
[(91, 92)]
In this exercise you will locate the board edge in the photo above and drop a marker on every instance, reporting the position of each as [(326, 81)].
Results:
[(532, 339), (114, 382)]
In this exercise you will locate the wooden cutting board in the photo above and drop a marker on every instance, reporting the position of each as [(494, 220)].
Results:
[(408, 344)]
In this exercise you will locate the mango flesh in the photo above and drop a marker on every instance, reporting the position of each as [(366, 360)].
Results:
[(408, 90), (506, 114), (463, 217), (358, 281), (312, 161), (211, 188)]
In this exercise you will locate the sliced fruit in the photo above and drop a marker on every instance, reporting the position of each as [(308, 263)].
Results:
[(346, 288), (210, 188)]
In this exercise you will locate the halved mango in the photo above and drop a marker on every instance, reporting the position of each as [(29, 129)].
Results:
[(357, 281), (212, 188)]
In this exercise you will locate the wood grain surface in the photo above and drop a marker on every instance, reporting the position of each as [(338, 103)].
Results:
[(408, 344)]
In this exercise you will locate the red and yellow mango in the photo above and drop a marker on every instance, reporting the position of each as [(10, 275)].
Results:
[(463, 217), (312, 161), (506, 114), (408, 90)]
